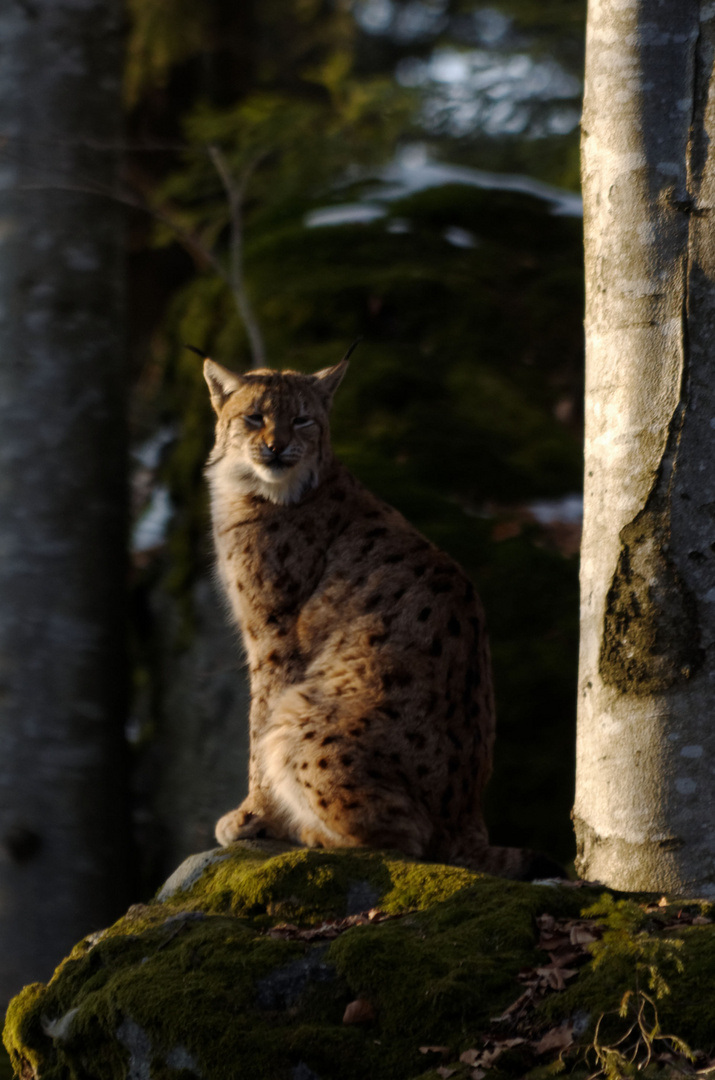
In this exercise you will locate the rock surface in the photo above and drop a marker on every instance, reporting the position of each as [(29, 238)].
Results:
[(252, 963)]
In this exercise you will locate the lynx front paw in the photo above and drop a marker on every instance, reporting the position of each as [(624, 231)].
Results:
[(240, 825)]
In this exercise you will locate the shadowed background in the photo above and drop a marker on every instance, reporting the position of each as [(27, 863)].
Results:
[(294, 174)]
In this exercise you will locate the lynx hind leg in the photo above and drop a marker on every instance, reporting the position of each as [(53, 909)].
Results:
[(317, 781)]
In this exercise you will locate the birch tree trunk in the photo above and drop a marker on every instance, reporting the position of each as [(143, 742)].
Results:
[(62, 561), (645, 791)]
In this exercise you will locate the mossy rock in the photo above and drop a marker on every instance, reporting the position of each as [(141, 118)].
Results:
[(200, 983)]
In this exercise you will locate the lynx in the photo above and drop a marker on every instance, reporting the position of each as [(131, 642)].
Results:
[(372, 715)]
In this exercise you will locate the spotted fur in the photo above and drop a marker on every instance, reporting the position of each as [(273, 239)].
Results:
[(372, 715)]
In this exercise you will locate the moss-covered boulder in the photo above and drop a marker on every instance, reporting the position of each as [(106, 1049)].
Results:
[(262, 961)]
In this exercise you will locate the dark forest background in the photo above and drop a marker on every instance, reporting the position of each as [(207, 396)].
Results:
[(401, 170), (267, 181)]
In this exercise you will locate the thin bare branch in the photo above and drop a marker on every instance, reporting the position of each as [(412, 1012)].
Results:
[(189, 240), (236, 192), (235, 189)]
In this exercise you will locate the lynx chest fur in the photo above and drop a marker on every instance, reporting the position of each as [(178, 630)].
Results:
[(372, 715)]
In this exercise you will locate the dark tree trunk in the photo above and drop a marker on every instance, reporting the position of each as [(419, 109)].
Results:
[(63, 813)]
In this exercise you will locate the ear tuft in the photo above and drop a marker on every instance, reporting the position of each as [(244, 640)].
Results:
[(221, 383), (328, 380)]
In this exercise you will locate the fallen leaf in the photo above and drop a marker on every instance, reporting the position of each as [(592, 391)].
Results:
[(477, 1074), (663, 902), (445, 1073), (556, 976), (283, 930), (325, 930), (470, 1057), (522, 1000), (443, 1050), (581, 935), (360, 1011), (488, 1057), (700, 920), (559, 1038)]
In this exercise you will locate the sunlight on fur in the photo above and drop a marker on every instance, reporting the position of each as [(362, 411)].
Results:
[(372, 710)]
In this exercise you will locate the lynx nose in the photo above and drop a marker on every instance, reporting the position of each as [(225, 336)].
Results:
[(275, 446)]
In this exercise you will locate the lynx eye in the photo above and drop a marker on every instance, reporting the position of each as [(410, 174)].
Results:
[(254, 420), (302, 421)]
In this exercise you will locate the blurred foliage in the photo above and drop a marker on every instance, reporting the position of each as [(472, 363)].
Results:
[(463, 403), (264, 140), (162, 36)]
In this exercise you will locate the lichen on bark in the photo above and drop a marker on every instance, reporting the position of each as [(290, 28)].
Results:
[(650, 628)]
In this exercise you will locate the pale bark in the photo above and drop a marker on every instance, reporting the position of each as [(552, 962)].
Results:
[(62, 562), (645, 800)]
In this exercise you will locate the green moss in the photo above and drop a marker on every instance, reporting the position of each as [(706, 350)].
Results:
[(650, 627), (304, 886), (640, 953), (690, 1006), (462, 955), (189, 972), (22, 1028), (197, 983), (181, 982)]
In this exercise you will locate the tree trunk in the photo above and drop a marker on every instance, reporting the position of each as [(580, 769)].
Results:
[(62, 468), (645, 799)]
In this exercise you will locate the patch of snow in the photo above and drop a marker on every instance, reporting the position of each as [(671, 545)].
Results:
[(466, 90), (410, 172), (347, 214), (567, 509), (151, 529), (459, 237), (149, 453)]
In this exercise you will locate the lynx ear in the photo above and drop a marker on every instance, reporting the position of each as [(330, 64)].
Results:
[(221, 383), (328, 380)]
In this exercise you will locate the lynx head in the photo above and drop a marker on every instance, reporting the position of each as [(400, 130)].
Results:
[(272, 431)]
